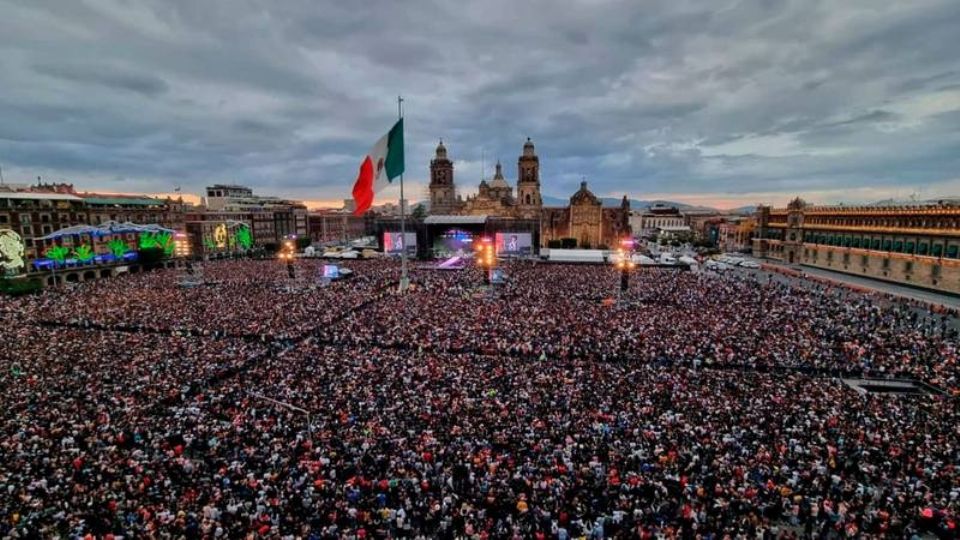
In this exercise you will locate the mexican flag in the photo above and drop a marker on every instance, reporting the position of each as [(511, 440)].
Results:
[(379, 168)]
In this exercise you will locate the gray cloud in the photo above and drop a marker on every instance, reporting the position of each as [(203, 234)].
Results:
[(106, 76), (667, 97)]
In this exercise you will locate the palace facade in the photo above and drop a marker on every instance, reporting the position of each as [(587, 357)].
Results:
[(916, 244)]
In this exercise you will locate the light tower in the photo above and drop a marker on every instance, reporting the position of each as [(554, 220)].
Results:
[(625, 263), (486, 258)]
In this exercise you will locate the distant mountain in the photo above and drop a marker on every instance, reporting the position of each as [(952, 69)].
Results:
[(635, 204), (743, 210)]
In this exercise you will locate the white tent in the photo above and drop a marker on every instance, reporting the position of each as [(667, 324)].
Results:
[(576, 255)]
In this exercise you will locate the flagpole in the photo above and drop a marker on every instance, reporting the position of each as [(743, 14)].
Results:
[(404, 278)]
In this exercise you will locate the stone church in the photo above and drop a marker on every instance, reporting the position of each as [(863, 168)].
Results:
[(585, 219), (494, 198)]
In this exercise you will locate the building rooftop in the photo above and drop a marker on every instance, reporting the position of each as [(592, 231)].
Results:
[(455, 220), (113, 200), (39, 196)]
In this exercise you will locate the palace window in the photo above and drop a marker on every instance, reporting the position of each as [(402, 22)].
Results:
[(864, 260), (952, 251), (923, 248), (937, 250), (898, 246), (908, 266), (909, 247)]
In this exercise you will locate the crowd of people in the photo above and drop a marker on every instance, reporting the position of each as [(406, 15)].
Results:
[(553, 406), (668, 317)]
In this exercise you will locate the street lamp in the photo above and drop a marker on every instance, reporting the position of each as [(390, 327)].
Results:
[(625, 263), (287, 253), (486, 258)]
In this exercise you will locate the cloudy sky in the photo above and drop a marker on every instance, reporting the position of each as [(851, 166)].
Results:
[(721, 102)]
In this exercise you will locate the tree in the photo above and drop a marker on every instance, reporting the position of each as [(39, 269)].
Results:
[(20, 286), (419, 212)]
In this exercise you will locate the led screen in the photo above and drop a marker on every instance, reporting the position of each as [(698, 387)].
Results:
[(514, 243), (395, 242)]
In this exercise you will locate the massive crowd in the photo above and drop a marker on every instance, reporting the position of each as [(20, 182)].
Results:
[(258, 406)]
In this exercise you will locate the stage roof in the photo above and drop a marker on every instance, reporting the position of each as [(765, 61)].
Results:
[(136, 201), (455, 220)]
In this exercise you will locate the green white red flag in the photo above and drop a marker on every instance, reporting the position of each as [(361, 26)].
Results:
[(379, 168)]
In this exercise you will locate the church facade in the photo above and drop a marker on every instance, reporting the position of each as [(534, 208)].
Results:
[(584, 219), (494, 198)]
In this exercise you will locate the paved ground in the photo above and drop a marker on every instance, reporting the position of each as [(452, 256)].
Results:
[(873, 284), (882, 286)]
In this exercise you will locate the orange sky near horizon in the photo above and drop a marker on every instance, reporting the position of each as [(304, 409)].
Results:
[(720, 201)]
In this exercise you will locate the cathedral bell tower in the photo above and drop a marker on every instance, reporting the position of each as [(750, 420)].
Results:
[(528, 179), (442, 190)]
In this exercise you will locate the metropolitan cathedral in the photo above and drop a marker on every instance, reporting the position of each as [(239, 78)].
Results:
[(494, 198), (585, 219)]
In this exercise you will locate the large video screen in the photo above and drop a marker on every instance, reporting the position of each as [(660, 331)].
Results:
[(396, 242), (453, 242), (514, 243)]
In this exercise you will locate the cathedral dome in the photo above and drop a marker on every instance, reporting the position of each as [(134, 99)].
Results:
[(498, 180), (584, 196), (441, 150)]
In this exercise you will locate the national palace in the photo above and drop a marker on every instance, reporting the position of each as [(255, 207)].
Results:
[(912, 244)]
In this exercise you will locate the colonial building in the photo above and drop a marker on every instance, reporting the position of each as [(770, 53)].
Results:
[(337, 226), (494, 198), (585, 219), (658, 219), (912, 244), (36, 211), (271, 219)]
